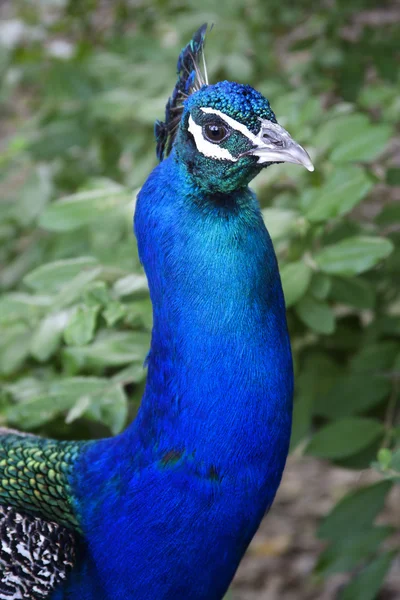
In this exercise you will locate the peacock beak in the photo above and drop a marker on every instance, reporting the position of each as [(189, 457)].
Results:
[(274, 144)]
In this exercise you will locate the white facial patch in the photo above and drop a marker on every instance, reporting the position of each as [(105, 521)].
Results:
[(206, 147), (272, 143), (265, 142)]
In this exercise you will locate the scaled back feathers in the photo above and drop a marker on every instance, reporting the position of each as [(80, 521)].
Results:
[(190, 79)]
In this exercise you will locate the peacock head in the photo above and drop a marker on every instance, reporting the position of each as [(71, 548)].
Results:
[(222, 134)]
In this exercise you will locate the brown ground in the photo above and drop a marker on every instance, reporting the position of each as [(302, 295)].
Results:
[(280, 560)]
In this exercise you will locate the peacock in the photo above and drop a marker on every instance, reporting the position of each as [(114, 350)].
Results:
[(166, 509)]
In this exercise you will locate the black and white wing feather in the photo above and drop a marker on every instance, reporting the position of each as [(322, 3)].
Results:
[(35, 555), (39, 532)]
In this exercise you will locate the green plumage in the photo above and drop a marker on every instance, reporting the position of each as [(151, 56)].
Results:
[(35, 476)]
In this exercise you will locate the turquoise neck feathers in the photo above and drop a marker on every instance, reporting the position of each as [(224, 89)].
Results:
[(190, 480), (220, 354)]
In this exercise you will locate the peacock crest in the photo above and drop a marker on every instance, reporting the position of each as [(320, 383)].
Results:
[(190, 79)]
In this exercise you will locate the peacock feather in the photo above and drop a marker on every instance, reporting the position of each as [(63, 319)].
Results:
[(34, 476), (38, 524), (190, 79)]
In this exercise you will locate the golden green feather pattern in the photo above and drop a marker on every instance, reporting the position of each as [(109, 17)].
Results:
[(35, 476)]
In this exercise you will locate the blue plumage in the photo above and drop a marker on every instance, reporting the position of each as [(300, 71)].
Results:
[(167, 509), (170, 506)]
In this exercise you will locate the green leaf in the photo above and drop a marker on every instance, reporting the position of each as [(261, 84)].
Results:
[(352, 394), (33, 196), (14, 347), (393, 178), (105, 403), (320, 286), (317, 315), (97, 294), (47, 336), (18, 306), (135, 373), (389, 215), (353, 255), (73, 212), (365, 146), (49, 278), (366, 584), (37, 411), (114, 312), (353, 292), (316, 375), (78, 409), (109, 349), (344, 437), (376, 94), (340, 193), (139, 314), (94, 398), (131, 284), (375, 358), (386, 325), (279, 222), (74, 289), (384, 457), (363, 459), (11, 275), (341, 129), (26, 388), (110, 408), (355, 512), (295, 278), (81, 327), (346, 553)]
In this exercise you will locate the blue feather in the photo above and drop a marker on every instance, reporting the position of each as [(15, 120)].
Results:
[(169, 507)]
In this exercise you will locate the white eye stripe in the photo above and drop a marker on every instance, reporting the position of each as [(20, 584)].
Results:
[(206, 147), (232, 123)]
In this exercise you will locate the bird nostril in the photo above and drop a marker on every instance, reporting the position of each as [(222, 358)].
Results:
[(276, 142)]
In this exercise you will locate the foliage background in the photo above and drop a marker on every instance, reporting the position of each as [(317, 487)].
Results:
[(82, 82)]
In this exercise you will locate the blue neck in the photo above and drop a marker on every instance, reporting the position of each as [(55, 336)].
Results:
[(189, 481), (219, 368)]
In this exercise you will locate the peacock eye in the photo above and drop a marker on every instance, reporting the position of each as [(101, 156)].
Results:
[(215, 133)]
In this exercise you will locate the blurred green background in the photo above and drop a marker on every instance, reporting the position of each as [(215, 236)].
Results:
[(82, 82)]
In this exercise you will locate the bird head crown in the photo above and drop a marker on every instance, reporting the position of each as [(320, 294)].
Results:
[(225, 133)]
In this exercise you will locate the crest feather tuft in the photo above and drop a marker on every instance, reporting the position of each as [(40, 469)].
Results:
[(190, 79)]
